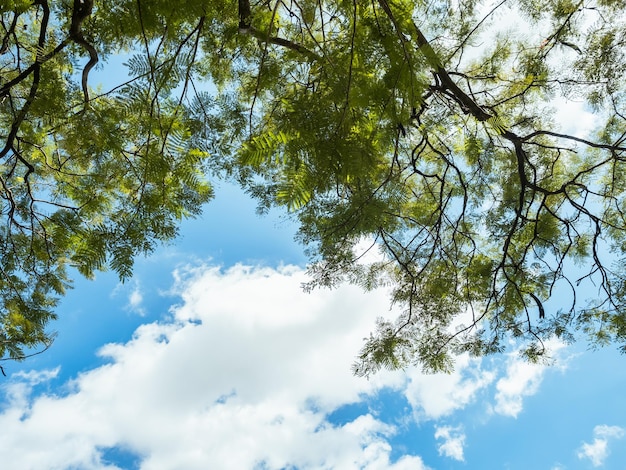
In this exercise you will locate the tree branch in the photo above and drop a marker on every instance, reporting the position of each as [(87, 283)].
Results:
[(246, 28), (82, 9)]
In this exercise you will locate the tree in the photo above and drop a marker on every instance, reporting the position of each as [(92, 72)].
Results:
[(415, 125), (89, 180)]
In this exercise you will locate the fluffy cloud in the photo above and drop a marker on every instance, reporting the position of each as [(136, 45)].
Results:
[(242, 375), (436, 395), (522, 379), (453, 441), (598, 450)]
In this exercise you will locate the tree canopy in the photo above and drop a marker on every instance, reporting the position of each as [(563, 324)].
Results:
[(426, 128)]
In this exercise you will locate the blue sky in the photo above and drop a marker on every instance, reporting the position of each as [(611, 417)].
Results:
[(211, 356)]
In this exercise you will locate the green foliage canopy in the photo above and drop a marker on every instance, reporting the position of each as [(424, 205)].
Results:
[(422, 126)]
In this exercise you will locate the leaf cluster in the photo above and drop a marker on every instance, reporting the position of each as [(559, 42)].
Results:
[(381, 121), (89, 179), (370, 122)]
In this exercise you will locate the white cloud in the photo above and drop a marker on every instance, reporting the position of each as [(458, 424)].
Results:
[(598, 450), (244, 373), (522, 379), (453, 441), (135, 300), (34, 377), (605, 431), (134, 296), (435, 395)]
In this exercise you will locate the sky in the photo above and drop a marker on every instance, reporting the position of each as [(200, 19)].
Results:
[(213, 357)]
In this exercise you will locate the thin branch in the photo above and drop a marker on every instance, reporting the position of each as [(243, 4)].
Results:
[(245, 26)]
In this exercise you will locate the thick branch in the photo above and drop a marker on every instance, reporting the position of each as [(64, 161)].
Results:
[(40, 59), (82, 9), (434, 61)]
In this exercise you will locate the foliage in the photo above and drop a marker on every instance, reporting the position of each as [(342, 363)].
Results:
[(88, 181), (426, 127)]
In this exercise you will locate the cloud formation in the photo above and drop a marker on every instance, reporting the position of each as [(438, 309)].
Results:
[(598, 450), (243, 374), (135, 300), (522, 379), (436, 395), (453, 441)]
